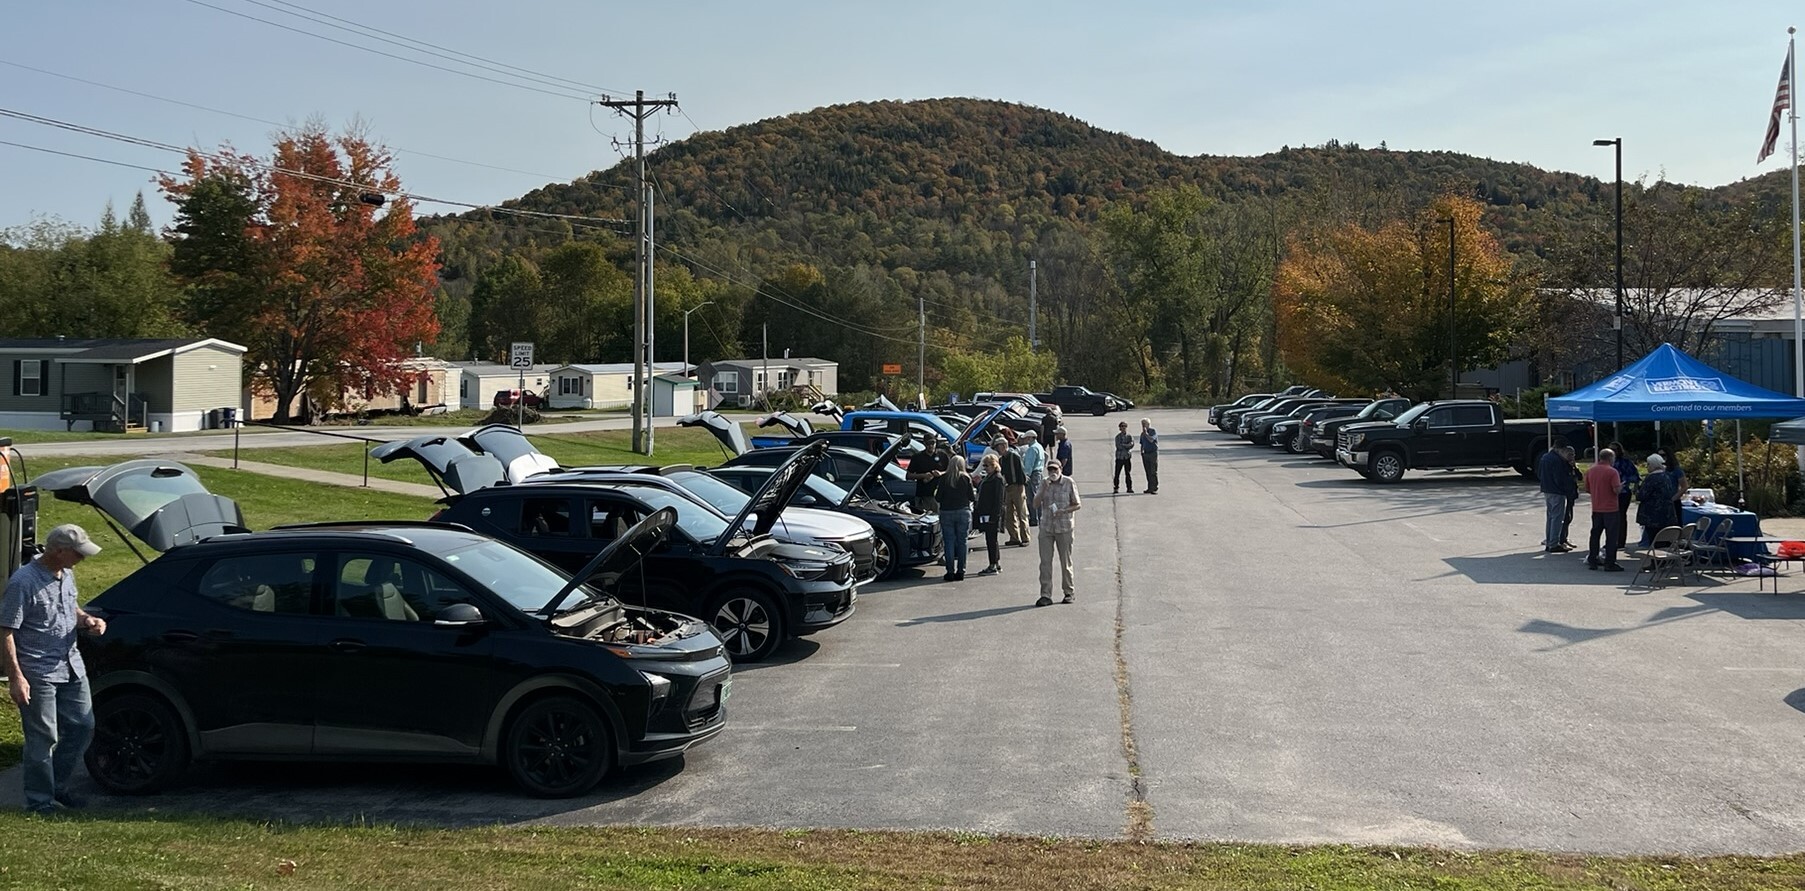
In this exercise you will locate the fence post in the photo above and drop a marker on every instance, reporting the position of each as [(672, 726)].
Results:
[(366, 467), (235, 428)]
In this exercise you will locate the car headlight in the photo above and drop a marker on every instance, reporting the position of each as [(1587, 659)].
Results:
[(1357, 440), (661, 691), (806, 570)]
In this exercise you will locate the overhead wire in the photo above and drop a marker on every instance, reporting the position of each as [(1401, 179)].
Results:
[(300, 174), (266, 121), (412, 45), (51, 151), (369, 49)]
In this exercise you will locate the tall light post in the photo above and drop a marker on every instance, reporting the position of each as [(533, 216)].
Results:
[(1453, 369), (686, 333), (1617, 321)]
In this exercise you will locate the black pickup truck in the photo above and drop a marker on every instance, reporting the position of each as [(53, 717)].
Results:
[(1084, 400), (1465, 433)]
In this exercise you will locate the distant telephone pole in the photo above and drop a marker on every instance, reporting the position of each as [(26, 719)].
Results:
[(639, 108), (1033, 300), (921, 355)]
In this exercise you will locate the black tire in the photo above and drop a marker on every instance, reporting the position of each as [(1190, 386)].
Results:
[(884, 557), (1298, 444), (748, 624), (1100, 410), (557, 747), (140, 745), (1387, 466)]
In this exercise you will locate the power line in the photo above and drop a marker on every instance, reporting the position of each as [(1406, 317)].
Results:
[(576, 83), (51, 151), (301, 174), (412, 45), (369, 49), (257, 120), (774, 292)]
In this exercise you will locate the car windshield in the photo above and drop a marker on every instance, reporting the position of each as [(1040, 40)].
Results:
[(526, 582), (720, 495), (822, 487), (698, 522), (1404, 419), (1372, 408)]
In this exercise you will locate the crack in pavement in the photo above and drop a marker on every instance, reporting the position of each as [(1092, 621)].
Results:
[(1139, 811)]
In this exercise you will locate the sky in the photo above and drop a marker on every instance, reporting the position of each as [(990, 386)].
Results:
[(1687, 85)]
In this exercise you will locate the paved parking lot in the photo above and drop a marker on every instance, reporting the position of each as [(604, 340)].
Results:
[(1310, 658)]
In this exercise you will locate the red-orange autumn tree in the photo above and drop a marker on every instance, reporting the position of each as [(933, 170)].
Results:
[(293, 258)]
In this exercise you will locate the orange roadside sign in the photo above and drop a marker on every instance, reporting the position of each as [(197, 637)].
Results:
[(893, 368)]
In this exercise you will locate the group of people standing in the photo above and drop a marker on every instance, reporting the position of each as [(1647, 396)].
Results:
[(1124, 469), (1013, 489), (1612, 483)]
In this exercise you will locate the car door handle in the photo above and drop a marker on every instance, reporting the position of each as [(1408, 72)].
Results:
[(347, 645), (180, 637)]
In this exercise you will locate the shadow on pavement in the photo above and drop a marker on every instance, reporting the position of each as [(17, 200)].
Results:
[(965, 616), (1567, 635), (1796, 699), (793, 651)]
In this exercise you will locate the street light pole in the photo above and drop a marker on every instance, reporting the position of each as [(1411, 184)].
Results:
[(686, 332), (1617, 321), (1453, 369)]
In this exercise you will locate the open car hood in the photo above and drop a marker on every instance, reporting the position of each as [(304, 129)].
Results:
[(883, 459), (798, 427), (518, 457), (451, 463), (730, 433), (977, 425), (881, 403), (619, 558), (829, 408), (777, 492), (161, 503)]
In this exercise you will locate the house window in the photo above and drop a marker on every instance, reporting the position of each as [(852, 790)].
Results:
[(570, 386), (728, 382), (814, 378), (785, 378), (758, 381), (29, 376), (463, 388)]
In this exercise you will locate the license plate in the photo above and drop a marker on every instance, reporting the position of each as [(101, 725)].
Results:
[(723, 691)]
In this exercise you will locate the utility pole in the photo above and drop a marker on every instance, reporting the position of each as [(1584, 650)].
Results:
[(651, 388), (921, 354), (1033, 299), (764, 371), (639, 108)]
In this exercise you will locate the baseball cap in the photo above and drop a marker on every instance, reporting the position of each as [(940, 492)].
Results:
[(1655, 462), (71, 537)]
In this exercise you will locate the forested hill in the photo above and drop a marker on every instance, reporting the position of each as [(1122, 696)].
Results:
[(891, 174)]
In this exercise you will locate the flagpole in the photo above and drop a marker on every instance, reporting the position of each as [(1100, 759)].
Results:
[(1798, 300)]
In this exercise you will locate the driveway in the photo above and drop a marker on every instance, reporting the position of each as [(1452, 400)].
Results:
[(1293, 654)]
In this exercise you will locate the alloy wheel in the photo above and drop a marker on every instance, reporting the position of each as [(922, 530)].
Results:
[(746, 627), (883, 558)]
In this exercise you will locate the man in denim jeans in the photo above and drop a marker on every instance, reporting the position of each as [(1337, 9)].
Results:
[(1552, 469), (45, 676)]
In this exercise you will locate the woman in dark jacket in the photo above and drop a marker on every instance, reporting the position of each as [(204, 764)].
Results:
[(1631, 475), (1656, 510), (956, 495), (989, 517)]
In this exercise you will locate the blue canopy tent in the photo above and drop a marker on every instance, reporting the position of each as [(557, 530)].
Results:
[(1668, 385)]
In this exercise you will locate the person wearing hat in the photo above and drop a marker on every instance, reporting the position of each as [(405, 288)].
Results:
[(1034, 464), (39, 618), (1655, 508), (1015, 492), (1149, 456), (926, 468)]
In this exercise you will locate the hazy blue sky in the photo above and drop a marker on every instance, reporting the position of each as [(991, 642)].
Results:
[(1687, 84)]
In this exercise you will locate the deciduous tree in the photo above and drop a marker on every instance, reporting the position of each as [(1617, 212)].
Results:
[(1363, 309), (290, 258)]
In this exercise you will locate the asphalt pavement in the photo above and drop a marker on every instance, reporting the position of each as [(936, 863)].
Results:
[(1307, 657)]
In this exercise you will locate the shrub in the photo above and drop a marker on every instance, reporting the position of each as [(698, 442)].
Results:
[(1770, 471)]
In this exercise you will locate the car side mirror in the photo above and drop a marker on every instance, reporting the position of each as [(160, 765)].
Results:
[(804, 499), (1421, 424), (459, 615)]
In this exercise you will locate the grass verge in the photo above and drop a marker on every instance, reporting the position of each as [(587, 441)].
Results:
[(101, 852), (266, 500), (678, 446)]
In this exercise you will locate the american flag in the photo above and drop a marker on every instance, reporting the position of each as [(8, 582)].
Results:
[(1782, 101)]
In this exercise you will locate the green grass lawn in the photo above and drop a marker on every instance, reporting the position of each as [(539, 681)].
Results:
[(100, 852), (29, 437), (679, 446), (267, 501)]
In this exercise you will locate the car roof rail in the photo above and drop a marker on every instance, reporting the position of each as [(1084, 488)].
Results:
[(353, 524)]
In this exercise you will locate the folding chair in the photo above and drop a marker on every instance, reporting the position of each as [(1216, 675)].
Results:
[(1708, 543), (1662, 555)]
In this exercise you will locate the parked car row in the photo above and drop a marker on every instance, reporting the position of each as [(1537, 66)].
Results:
[(1381, 439), (557, 622)]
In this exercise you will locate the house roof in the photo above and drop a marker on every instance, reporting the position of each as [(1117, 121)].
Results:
[(778, 362), (112, 350), (488, 369), (676, 380), (617, 367)]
